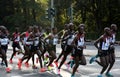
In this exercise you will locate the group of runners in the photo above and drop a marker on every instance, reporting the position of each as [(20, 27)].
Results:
[(35, 42)]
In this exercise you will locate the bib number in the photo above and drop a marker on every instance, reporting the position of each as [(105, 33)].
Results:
[(4, 41)]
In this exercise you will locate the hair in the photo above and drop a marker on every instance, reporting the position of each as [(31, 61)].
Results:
[(106, 29), (3, 28), (35, 27), (66, 25), (30, 27), (82, 25), (113, 25), (71, 24)]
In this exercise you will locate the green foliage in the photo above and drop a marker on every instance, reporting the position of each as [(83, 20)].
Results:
[(96, 14)]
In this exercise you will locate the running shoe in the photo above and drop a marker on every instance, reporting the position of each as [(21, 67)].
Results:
[(42, 70), (51, 65), (58, 71), (72, 76), (100, 75), (8, 70), (34, 67), (27, 64), (92, 60), (109, 75)]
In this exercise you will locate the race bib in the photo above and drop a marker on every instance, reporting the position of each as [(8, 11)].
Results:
[(70, 40), (29, 43), (105, 45), (113, 39), (36, 43), (81, 42), (55, 41), (4, 41), (17, 39), (47, 40)]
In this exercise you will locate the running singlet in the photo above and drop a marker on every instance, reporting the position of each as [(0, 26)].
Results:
[(26, 38), (69, 42), (80, 41), (106, 43), (36, 41), (16, 37), (112, 39), (55, 39)]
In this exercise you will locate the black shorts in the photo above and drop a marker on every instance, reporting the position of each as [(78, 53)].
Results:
[(77, 52), (51, 48), (4, 47), (63, 46), (33, 48), (111, 49), (103, 53), (27, 49), (15, 44), (68, 49)]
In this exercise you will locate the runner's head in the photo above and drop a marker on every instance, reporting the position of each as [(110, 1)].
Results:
[(40, 29), (82, 25), (47, 30), (35, 28), (16, 29), (114, 27), (30, 29), (3, 29), (81, 28), (107, 31), (66, 26), (71, 26), (54, 30)]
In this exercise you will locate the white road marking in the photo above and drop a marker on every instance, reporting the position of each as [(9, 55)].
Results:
[(84, 76), (16, 76), (115, 70)]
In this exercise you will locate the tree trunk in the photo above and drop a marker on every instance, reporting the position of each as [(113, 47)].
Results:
[(33, 11)]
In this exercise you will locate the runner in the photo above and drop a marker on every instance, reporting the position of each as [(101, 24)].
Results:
[(52, 41), (34, 49), (3, 46), (103, 49), (79, 45), (112, 50), (4, 40), (63, 44), (45, 35), (69, 36), (71, 62), (15, 44), (24, 36)]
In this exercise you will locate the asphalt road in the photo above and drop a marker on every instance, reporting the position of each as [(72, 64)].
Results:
[(90, 70)]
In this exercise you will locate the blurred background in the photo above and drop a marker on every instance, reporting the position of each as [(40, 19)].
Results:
[(96, 14)]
